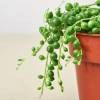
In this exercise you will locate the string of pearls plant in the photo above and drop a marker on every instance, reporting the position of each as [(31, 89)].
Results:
[(61, 29)]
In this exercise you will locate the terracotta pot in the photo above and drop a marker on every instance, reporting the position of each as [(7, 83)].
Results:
[(88, 73)]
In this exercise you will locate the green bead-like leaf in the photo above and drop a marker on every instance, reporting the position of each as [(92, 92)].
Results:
[(77, 28), (41, 42), (76, 53), (62, 56), (76, 62), (96, 30), (33, 49), (84, 26), (60, 82), (53, 56), (69, 30), (65, 49), (48, 83), (70, 38), (55, 62), (76, 44), (60, 67), (39, 88), (50, 78), (50, 49), (40, 76), (42, 57), (68, 6), (56, 45), (98, 2), (50, 73), (44, 31), (50, 40), (50, 87), (50, 67), (58, 12), (48, 15)]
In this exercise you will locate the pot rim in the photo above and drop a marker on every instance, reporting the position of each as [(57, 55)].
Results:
[(90, 35)]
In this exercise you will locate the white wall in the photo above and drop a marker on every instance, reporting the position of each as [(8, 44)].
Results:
[(25, 16)]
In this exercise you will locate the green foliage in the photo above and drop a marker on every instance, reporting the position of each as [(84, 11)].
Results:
[(61, 28)]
